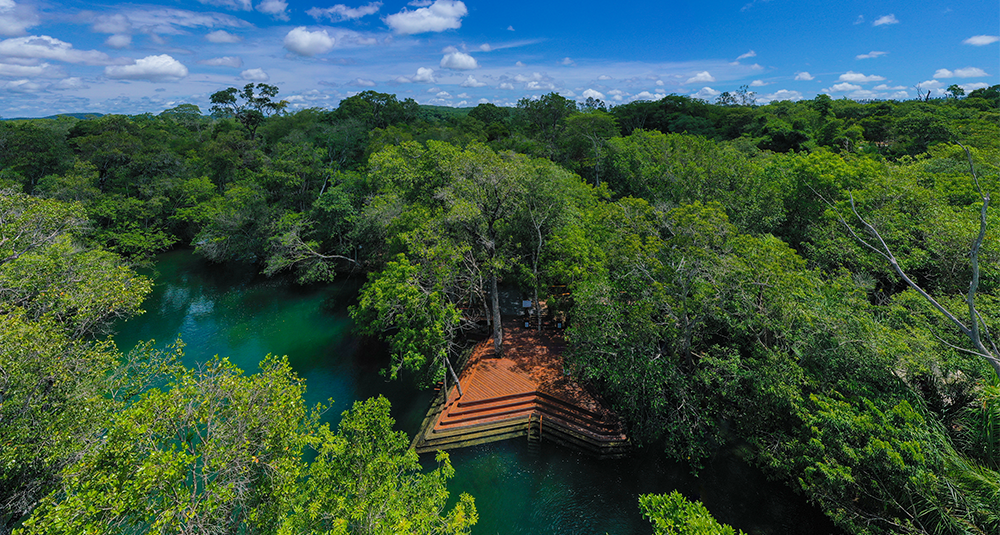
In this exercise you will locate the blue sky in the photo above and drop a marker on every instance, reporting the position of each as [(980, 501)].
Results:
[(60, 56)]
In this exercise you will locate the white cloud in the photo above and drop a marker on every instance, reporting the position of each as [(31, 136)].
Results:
[(706, 93), (863, 94), (885, 87), (440, 16), (857, 77), (506, 85), (859, 20), (423, 76), (15, 19), (885, 19), (118, 40), (803, 76), (224, 61), (255, 75), (930, 84), (340, 12), (443, 94), (463, 95), (535, 76), (305, 43), (758, 83), (968, 72), (44, 70), (24, 86), (567, 61), (646, 95), (472, 82), (975, 86), (981, 40), (459, 61), (235, 5), (781, 94), (837, 88), (750, 54), (870, 55), (165, 21), (485, 47), (68, 84), (362, 82), (510, 28), (899, 95), (275, 8), (659, 83), (222, 36), (116, 23), (590, 93), (604, 77), (45, 47), (539, 86), (161, 68), (702, 76), (519, 64)]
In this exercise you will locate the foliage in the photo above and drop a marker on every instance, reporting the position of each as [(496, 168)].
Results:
[(673, 514)]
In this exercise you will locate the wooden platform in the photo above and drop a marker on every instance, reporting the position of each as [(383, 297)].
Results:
[(524, 394)]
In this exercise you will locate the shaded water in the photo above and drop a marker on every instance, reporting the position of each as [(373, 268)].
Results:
[(232, 312)]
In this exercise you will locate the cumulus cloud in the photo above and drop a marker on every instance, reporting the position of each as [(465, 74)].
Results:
[(930, 84), (362, 82), (539, 86), (803, 76), (975, 86), (758, 83), (275, 8), (857, 77), (485, 47), (781, 94), (590, 93), (440, 16), (45, 47), (119, 40), (646, 95), (968, 72), (161, 68), (567, 61), (458, 61), (706, 93), (885, 87), (340, 12), (885, 19), (255, 75), (44, 70), (69, 84), (24, 86), (443, 94), (750, 54), (225, 61), (305, 43), (116, 23), (841, 87), (506, 85), (981, 40), (859, 20), (659, 82), (163, 21), (604, 77), (702, 76), (15, 19), (870, 55), (472, 82), (222, 36)]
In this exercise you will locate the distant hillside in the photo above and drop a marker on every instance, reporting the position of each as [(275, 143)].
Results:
[(73, 115)]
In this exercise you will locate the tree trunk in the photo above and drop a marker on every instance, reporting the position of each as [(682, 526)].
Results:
[(497, 330), (458, 384)]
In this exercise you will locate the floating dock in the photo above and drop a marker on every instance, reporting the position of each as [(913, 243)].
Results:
[(525, 393)]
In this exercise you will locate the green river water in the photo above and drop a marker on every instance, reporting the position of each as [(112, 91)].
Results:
[(230, 311)]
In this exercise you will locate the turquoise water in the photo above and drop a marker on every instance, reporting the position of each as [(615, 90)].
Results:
[(230, 311)]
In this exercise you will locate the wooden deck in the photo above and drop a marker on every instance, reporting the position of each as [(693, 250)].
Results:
[(523, 394)]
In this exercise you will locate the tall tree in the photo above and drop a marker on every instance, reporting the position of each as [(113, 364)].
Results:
[(250, 107)]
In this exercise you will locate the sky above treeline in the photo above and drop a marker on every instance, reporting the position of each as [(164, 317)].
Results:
[(59, 56)]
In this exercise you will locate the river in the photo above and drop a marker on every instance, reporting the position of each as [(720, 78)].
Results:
[(232, 312)]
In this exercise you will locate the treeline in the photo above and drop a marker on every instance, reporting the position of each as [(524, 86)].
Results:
[(716, 292)]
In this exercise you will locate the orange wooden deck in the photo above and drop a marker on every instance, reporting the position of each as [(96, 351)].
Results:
[(524, 390)]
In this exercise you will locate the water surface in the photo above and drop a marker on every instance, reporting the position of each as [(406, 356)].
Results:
[(232, 312)]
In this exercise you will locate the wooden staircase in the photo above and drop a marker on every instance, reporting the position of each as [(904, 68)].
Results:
[(503, 399)]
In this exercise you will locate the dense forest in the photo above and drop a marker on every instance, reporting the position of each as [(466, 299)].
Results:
[(814, 281)]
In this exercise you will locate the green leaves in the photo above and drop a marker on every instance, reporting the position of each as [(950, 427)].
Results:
[(673, 514)]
